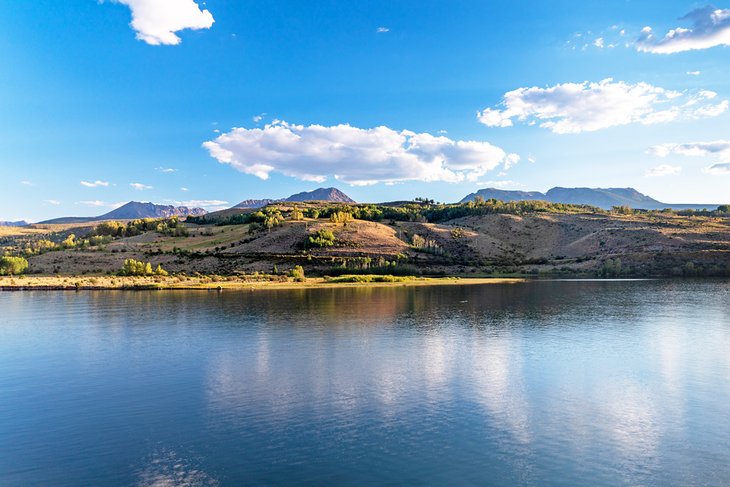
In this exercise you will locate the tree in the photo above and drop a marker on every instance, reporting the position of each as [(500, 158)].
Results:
[(13, 265), (159, 271), (296, 214), (321, 238), (297, 273)]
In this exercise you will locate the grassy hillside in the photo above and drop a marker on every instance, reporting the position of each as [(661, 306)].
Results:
[(475, 239)]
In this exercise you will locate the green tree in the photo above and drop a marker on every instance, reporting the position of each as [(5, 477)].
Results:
[(13, 265), (297, 273), (159, 271), (321, 238)]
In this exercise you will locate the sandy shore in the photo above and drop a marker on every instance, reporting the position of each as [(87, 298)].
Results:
[(80, 283)]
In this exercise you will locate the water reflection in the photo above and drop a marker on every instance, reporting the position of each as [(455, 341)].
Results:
[(616, 382)]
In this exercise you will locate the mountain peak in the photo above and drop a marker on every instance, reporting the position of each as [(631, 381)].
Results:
[(321, 194)]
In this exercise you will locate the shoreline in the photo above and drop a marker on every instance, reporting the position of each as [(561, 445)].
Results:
[(53, 283)]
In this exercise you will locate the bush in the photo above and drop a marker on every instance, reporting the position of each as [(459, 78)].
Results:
[(320, 239), (138, 268), (297, 273), (13, 265)]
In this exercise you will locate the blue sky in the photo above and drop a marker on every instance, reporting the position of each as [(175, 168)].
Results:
[(85, 97)]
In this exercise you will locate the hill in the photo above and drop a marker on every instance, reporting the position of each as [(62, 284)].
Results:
[(605, 198), (417, 239), (134, 210)]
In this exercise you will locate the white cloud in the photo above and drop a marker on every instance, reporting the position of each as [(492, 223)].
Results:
[(210, 205), (52, 202), (139, 186), (716, 148), (500, 184), (184, 189), (571, 108), (157, 21), (26, 183), (598, 43), (719, 169), (694, 73), (100, 204), (382, 30), (166, 170), (663, 170), (719, 148), (255, 118), (354, 155), (710, 28), (95, 184)]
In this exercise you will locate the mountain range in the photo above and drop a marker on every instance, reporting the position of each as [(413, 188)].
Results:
[(21, 223), (605, 198), (320, 194), (133, 210)]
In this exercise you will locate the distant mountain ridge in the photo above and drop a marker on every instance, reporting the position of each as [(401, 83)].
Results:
[(605, 198), (134, 210), (333, 195), (21, 223)]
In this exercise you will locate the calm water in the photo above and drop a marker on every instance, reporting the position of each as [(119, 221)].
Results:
[(547, 383)]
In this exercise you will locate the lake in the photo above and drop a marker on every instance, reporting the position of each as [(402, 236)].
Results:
[(539, 383)]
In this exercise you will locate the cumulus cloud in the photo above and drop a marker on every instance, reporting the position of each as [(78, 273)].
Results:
[(710, 28), (157, 21), (571, 108), (139, 186), (94, 184), (354, 155), (663, 170)]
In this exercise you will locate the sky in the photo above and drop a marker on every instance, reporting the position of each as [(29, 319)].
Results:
[(210, 103)]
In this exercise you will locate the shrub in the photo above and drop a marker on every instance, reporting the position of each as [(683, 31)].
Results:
[(297, 274), (320, 239), (13, 265)]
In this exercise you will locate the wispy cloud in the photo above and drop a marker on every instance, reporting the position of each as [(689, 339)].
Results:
[(694, 73), (382, 30), (710, 28), (719, 169), (27, 183), (716, 148), (255, 118), (139, 186), (95, 184), (166, 170), (52, 202), (500, 184), (663, 170), (354, 155), (184, 189), (571, 108), (210, 205), (157, 21), (100, 204)]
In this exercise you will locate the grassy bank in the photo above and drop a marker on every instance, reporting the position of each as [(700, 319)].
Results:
[(51, 283)]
